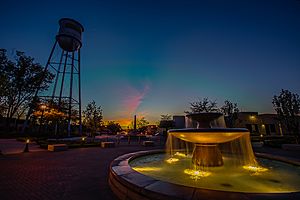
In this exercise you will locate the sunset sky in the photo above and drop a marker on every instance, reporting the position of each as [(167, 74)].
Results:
[(153, 57)]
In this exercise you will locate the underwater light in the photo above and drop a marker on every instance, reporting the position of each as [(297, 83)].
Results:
[(172, 160), (255, 168), (197, 174), (180, 154), (146, 169)]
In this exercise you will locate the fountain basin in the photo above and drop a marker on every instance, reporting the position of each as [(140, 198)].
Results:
[(208, 135), (128, 183), (206, 151)]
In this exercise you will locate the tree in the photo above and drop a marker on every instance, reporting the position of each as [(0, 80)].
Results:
[(92, 116), (114, 127), (166, 122), (19, 82), (202, 106), (5, 64), (165, 117), (230, 111), (142, 122), (287, 106), (49, 113)]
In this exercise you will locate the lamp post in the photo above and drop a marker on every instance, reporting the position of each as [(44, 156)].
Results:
[(42, 107)]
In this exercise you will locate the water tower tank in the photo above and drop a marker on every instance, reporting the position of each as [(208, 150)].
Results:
[(69, 35)]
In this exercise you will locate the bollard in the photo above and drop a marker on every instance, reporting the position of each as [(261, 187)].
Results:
[(128, 139), (26, 149), (82, 141)]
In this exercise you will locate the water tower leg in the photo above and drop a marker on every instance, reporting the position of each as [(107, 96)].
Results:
[(57, 74), (79, 86), (70, 96), (37, 90)]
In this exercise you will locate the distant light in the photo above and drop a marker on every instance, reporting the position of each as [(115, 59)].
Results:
[(83, 138), (43, 106), (27, 141), (252, 117), (263, 125), (261, 135)]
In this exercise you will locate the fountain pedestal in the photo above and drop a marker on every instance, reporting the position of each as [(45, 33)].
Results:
[(207, 155)]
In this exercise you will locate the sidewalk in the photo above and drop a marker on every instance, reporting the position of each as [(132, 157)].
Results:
[(12, 146)]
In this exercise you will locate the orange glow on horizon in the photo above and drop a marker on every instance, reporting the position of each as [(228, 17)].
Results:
[(127, 122)]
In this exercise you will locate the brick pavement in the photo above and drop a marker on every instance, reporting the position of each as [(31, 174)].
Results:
[(73, 174), (12, 146)]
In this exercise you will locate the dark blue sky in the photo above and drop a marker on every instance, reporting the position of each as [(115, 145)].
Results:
[(154, 57)]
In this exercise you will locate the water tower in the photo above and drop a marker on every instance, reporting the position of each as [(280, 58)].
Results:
[(64, 62)]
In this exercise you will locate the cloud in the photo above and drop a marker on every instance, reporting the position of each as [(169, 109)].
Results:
[(133, 99), (130, 100)]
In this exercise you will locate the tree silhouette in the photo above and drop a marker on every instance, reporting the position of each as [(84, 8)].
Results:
[(19, 81), (230, 111), (287, 106), (202, 106), (114, 127), (92, 117)]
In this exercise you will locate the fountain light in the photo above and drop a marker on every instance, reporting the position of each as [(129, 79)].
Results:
[(197, 174), (255, 169), (146, 169), (172, 160), (180, 154)]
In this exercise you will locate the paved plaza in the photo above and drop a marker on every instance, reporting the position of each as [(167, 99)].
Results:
[(80, 173), (74, 174)]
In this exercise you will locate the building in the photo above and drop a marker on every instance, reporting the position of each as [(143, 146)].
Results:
[(259, 124), (179, 122)]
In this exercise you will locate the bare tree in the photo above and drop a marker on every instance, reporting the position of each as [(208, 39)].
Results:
[(287, 106), (230, 111), (204, 105), (165, 117)]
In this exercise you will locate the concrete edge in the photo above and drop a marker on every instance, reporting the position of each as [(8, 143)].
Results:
[(130, 184)]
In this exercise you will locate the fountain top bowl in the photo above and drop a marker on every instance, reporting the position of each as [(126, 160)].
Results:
[(208, 135)]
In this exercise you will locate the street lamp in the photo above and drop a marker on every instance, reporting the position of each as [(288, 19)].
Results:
[(43, 108)]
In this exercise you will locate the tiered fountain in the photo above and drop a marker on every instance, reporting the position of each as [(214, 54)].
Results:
[(203, 161)]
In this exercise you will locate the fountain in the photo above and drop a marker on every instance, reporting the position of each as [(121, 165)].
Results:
[(206, 133), (204, 161)]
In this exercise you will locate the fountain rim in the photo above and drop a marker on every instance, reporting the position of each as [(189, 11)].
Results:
[(128, 183), (209, 130)]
